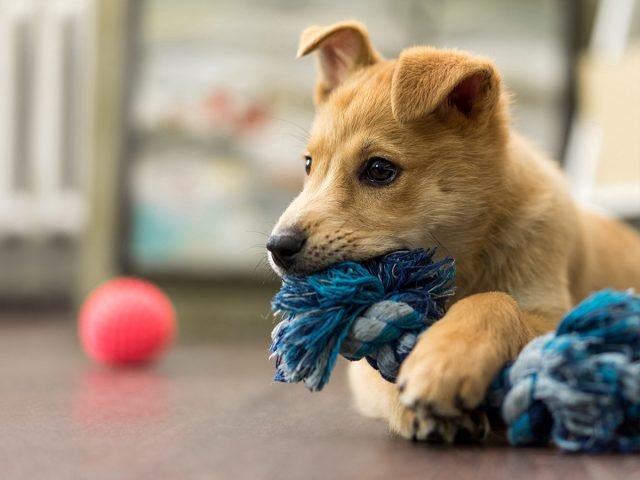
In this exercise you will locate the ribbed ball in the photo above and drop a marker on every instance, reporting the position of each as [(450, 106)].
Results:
[(126, 321)]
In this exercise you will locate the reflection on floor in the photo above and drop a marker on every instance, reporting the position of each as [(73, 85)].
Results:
[(211, 411)]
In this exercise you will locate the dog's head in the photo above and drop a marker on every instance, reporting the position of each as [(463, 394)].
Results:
[(402, 154)]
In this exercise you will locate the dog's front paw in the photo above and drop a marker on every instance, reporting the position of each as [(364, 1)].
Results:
[(443, 377), (411, 424)]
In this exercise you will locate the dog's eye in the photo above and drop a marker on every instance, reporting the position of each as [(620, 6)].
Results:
[(307, 164), (379, 172)]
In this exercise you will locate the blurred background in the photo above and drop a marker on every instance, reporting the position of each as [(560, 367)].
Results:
[(162, 138)]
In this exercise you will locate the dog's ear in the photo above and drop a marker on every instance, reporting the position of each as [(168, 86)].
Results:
[(459, 85), (342, 48)]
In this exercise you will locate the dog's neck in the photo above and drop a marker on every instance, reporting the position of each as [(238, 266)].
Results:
[(528, 190)]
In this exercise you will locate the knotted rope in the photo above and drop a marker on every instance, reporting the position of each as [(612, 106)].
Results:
[(579, 386), (373, 310)]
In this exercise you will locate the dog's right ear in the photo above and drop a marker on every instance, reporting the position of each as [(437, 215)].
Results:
[(462, 87), (342, 48)]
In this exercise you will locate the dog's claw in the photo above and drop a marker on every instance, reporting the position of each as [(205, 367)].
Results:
[(415, 427), (429, 408), (470, 427), (460, 404)]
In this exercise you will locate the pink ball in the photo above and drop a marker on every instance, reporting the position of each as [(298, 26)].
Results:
[(126, 321)]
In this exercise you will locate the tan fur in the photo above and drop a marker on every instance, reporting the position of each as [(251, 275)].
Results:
[(468, 184)]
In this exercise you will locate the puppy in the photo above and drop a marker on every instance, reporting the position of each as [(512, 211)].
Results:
[(418, 152)]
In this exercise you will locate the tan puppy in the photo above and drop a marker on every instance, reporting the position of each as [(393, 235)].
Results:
[(418, 152)]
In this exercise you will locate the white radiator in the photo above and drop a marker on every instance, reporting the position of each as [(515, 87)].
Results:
[(43, 65), (43, 126)]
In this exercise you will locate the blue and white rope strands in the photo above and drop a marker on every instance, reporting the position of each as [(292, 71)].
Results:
[(579, 386)]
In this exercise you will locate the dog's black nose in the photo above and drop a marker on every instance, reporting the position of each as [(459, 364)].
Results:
[(285, 247)]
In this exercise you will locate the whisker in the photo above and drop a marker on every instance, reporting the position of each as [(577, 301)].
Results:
[(303, 140), (342, 226), (258, 232), (263, 266), (267, 275), (350, 233), (260, 247), (298, 135), (293, 124), (440, 244)]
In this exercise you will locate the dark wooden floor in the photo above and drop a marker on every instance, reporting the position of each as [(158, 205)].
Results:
[(212, 412)]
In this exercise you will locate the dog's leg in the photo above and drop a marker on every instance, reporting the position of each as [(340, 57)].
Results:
[(375, 397), (454, 361), (447, 374)]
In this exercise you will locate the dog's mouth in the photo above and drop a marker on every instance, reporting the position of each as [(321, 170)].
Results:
[(308, 263), (294, 250)]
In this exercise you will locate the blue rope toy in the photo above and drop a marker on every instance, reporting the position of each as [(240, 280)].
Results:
[(579, 386)]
